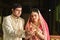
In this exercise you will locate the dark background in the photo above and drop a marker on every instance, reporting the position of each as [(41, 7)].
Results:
[(42, 5)]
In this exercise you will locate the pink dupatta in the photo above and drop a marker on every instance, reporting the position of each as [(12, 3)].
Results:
[(43, 25)]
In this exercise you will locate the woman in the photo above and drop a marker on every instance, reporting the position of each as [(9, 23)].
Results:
[(36, 27)]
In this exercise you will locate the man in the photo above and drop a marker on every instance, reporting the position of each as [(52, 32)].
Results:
[(13, 24)]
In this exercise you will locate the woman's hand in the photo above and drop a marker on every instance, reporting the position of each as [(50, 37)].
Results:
[(39, 34)]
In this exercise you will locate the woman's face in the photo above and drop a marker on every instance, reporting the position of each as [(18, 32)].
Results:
[(34, 16)]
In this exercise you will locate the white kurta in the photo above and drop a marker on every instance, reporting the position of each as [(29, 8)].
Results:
[(10, 26)]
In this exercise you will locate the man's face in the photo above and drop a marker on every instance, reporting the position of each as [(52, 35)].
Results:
[(17, 12)]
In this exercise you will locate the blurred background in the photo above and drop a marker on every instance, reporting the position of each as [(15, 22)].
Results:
[(50, 9)]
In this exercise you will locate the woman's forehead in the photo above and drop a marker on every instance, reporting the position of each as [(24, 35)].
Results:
[(34, 13)]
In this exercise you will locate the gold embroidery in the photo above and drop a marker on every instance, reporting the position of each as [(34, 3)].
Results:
[(15, 23)]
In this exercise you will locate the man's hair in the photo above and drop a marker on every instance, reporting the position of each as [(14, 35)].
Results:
[(16, 5)]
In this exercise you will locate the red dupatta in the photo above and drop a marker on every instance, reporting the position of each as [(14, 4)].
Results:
[(44, 26)]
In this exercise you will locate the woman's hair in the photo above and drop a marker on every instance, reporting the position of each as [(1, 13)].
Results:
[(34, 10), (16, 5)]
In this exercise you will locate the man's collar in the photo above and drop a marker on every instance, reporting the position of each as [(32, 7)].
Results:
[(14, 16)]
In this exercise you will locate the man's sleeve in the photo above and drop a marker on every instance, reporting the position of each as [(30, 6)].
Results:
[(7, 27)]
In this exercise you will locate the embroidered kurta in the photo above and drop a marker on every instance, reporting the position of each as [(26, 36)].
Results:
[(10, 27)]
